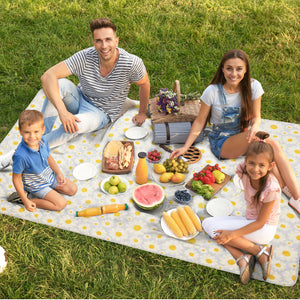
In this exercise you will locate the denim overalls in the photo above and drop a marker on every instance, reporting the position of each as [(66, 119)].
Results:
[(229, 125)]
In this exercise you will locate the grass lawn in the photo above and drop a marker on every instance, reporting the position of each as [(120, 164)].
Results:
[(177, 39)]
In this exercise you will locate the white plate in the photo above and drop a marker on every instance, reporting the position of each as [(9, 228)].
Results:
[(238, 182), (219, 207), (169, 232), (84, 171), (107, 179), (156, 177), (136, 133)]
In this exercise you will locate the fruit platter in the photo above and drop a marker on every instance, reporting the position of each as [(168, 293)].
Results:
[(118, 157), (171, 171), (114, 185), (181, 223), (208, 181)]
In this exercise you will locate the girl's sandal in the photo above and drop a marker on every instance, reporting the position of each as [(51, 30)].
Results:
[(266, 265), (246, 271)]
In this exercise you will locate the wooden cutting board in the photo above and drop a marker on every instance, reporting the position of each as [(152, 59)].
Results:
[(216, 186), (126, 170)]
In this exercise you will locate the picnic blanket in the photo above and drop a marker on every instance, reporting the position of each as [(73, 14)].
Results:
[(142, 230)]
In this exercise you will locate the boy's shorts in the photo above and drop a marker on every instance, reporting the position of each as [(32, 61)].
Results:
[(43, 192)]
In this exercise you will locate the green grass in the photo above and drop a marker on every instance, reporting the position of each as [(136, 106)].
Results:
[(177, 40)]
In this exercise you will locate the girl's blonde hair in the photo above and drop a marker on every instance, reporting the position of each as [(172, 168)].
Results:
[(258, 147), (29, 117)]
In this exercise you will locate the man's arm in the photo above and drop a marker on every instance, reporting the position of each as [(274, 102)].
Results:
[(144, 93), (50, 86)]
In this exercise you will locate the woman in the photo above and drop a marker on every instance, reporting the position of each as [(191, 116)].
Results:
[(232, 103)]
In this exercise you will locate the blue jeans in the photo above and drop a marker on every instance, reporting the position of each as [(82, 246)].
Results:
[(92, 118)]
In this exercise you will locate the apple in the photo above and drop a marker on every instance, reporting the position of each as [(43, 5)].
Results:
[(113, 190), (114, 180), (106, 186), (122, 187)]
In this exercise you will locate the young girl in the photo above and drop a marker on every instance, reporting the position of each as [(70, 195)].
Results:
[(231, 103), (243, 236)]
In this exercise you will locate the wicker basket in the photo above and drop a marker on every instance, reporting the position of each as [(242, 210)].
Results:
[(187, 112)]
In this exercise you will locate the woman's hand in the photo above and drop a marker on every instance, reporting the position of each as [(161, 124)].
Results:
[(251, 133), (178, 152), (224, 236)]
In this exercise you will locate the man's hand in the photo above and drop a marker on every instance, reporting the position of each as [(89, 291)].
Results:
[(139, 119), (69, 122)]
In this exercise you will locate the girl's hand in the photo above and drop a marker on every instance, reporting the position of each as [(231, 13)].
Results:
[(223, 237), (30, 206)]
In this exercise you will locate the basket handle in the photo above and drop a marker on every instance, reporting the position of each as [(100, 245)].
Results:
[(176, 89)]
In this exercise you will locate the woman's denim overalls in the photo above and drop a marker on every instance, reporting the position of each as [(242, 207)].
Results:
[(229, 125)]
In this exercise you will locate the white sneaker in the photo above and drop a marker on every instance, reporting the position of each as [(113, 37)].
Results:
[(295, 204), (6, 160)]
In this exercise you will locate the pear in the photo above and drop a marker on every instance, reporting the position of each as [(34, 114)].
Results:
[(166, 177), (178, 177)]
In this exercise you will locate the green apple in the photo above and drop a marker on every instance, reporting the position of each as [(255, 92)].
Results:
[(122, 187), (114, 180), (106, 186), (113, 190)]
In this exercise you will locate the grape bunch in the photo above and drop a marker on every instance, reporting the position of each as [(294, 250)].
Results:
[(176, 165)]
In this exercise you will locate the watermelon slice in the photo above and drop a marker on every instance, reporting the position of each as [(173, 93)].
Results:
[(148, 196)]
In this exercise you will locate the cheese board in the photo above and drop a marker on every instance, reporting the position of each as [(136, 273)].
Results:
[(118, 157), (216, 186)]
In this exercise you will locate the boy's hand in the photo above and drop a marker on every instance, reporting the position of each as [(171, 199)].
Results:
[(60, 179), (30, 206)]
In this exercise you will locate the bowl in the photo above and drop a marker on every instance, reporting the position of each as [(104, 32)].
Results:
[(182, 196), (154, 153)]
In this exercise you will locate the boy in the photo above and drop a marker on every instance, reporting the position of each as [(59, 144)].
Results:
[(34, 169)]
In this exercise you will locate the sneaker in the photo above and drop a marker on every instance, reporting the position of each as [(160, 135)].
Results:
[(6, 160), (287, 192), (14, 198), (295, 204)]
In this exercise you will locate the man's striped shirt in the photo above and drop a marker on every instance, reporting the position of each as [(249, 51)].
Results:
[(110, 92)]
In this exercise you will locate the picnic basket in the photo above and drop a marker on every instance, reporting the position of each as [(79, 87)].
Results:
[(174, 128), (188, 109)]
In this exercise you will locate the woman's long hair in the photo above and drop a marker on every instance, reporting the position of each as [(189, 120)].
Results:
[(255, 148), (245, 85)]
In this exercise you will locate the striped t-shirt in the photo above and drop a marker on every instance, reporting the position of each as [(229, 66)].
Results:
[(110, 92)]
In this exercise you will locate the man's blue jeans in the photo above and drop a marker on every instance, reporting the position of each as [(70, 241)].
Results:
[(92, 118)]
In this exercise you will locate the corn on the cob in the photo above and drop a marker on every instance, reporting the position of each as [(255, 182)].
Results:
[(219, 176), (193, 217), (186, 221), (172, 225), (178, 221)]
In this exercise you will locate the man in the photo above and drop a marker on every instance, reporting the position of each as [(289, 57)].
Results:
[(105, 74)]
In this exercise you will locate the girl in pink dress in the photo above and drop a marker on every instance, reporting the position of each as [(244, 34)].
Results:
[(245, 237)]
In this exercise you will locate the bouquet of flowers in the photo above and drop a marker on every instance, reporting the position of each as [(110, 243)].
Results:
[(167, 102)]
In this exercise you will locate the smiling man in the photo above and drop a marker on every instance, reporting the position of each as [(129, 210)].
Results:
[(105, 73)]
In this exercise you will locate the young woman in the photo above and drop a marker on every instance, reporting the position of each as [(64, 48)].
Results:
[(243, 236), (232, 103)]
